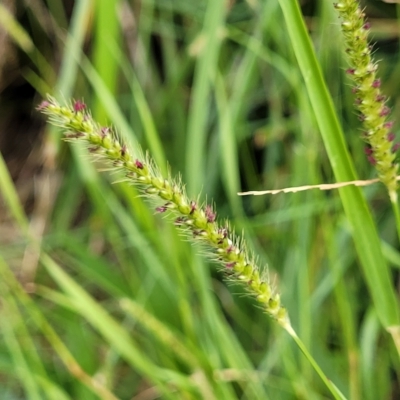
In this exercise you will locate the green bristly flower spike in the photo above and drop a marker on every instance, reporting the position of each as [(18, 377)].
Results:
[(197, 221), (369, 100)]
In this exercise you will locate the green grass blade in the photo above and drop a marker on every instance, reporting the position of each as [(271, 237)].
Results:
[(21, 364), (52, 391), (58, 345), (15, 30), (71, 57), (205, 70), (143, 109), (104, 62), (364, 231), (111, 330), (10, 197), (228, 148), (72, 51), (161, 332)]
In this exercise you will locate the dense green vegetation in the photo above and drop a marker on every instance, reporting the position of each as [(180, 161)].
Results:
[(103, 298)]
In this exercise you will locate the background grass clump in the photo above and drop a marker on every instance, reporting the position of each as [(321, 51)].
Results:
[(100, 296)]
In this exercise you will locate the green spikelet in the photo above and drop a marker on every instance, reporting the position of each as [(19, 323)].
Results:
[(369, 100), (197, 221)]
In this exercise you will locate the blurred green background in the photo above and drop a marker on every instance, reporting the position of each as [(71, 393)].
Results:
[(213, 89)]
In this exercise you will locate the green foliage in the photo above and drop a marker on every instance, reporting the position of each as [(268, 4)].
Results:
[(110, 301)]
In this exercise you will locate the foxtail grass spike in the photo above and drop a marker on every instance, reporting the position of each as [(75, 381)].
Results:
[(370, 101), (197, 221)]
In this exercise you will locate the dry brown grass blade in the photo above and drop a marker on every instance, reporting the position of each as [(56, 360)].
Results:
[(325, 186)]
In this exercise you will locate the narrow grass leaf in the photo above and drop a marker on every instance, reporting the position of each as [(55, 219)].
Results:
[(79, 26), (206, 68), (21, 366), (104, 62), (227, 146), (145, 113), (111, 330), (58, 345), (364, 232), (10, 196), (15, 30), (161, 332)]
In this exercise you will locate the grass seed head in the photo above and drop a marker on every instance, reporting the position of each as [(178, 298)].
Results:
[(198, 222)]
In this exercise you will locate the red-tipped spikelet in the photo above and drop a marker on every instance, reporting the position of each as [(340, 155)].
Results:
[(198, 222)]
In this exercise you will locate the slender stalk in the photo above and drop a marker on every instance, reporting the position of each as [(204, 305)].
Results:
[(197, 222), (333, 389)]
